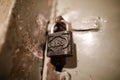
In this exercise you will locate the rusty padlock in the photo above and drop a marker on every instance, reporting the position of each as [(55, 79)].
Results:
[(60, 42)]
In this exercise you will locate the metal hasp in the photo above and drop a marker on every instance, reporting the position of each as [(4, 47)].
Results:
[(60, 40)]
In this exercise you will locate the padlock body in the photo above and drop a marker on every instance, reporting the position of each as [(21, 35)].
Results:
[(60, 44)]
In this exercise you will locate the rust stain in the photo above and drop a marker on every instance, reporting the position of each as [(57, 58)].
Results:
[(22, 65), (51, 73)]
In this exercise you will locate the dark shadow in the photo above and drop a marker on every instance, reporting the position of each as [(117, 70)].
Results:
[(86, 30), (58, 62), (71, 62)]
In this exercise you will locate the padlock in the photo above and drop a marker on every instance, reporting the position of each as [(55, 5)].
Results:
[(60, 42)]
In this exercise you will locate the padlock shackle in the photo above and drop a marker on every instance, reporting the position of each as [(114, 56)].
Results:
[(66, 23)]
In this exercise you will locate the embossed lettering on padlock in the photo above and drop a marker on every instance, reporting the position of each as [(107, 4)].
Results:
[(60, 43)]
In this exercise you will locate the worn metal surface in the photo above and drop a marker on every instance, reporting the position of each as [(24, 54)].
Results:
[(97, 52), (60, 44), (22, 52)]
